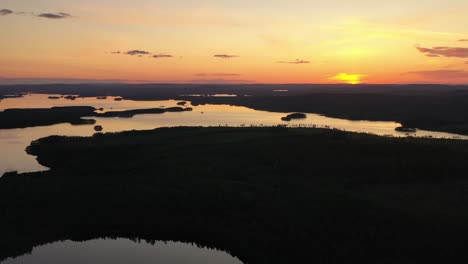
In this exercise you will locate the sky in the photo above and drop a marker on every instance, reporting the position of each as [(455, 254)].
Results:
[(221, 41)]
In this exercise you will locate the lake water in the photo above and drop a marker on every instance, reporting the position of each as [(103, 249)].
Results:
[(123, 251), (13, 142)]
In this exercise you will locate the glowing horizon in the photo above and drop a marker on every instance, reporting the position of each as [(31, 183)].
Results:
[(184, 41)]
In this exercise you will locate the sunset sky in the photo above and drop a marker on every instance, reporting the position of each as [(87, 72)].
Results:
[(220, 41)]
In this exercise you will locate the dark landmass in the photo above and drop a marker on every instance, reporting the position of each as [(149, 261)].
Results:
[(22, 118), (266, 195), (406, 129), (4, 96), (430, 107), (294, 116), (131, 113), (71, 97), (446, 112), (54, 97)]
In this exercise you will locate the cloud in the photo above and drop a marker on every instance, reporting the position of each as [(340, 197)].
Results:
[(4, 12), (297, 61), (217, 74), (225, 56), (463, 40), (454, 52), (137, 52), (442, 74), (219, 81), (159, 56), (141, 53), (55, 15)]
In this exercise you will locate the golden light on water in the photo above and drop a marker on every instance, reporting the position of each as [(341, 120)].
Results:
[(348, 78)]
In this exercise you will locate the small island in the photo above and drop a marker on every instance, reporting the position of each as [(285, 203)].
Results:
[(406, 129), (71, 97), (54, 97), (294, 116)]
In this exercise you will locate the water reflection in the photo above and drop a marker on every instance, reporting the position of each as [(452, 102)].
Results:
[(108, 104), (101, 251), (13, 142)]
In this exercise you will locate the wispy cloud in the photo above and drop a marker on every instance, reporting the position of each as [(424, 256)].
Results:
[(226, 56), (217, 74), (159, 56), (442, 74), (219, 81), (453, 52), (55, 15), (463, 40), (60, 15), (137, 52), (141, 53), (297, 61), (4, 12)]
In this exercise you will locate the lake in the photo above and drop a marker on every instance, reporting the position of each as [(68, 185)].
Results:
[(122, 251), (13, 142)]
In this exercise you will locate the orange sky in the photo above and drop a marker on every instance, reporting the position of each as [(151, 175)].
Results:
[(261, 41)]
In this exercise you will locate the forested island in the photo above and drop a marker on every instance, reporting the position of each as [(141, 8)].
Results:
[(22, 118)]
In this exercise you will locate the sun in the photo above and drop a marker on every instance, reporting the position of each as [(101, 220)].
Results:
[(348, 78)]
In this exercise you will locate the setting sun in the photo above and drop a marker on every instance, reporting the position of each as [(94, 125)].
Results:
[(348, 78)]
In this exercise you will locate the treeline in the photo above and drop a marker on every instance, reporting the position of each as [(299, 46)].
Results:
[(266, 195)]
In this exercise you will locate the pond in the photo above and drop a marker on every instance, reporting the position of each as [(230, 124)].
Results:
[(122, 251), (13, 142)]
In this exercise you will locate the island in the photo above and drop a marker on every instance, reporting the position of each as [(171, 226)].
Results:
[(71, 97), (294, 116), (21, 118), (406, 129)]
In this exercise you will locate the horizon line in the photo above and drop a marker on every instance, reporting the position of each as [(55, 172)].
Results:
[(72, 81)]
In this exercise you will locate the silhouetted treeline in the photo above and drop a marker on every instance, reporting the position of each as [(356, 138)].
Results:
[(266, 195), (21, 118)]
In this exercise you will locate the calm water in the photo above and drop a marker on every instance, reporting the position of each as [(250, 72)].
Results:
[(123, 251), (13, 142)]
